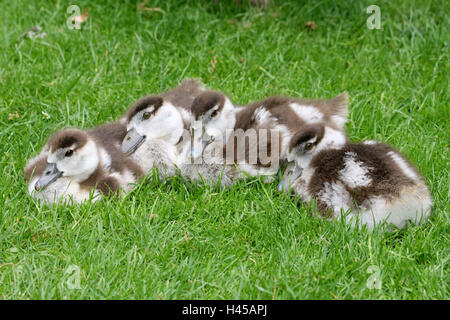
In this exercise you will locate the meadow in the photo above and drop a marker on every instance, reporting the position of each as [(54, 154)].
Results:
[(179, 240)]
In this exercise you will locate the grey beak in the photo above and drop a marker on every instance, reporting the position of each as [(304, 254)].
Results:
[(297, 173), (132, 141), (50, 174), (289, 177)]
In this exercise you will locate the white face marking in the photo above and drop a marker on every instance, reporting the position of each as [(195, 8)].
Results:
[(166, 124), (217, 126), (309, 114), (355, 173), (404, 166), (80, 165), (215, 130)]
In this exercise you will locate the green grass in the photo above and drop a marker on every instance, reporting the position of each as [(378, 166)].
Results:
[(177, 240)]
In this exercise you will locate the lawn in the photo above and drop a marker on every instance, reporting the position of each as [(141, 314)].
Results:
[(178, 240)]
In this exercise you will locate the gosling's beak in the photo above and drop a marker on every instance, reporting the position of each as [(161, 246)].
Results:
[(50, 174), (132, 141), (284, 183), (292, 173), (297, 173)]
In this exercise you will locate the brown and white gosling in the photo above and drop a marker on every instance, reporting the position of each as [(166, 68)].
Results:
[(368, 182), (75, 163), (219, 125), (155, 128)]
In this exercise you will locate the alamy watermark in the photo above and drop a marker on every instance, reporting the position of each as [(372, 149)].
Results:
[(374, 20), (71, 21), (74, 277), (374, 281), (234, 146)]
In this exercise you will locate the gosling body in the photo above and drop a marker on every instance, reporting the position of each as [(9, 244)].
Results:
[(368, 183)]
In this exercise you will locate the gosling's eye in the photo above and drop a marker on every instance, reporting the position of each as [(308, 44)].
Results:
[(308, 146), (146, 115), (69, 153), (214, 113)]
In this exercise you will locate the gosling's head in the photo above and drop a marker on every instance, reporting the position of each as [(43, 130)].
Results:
[(152, 117), (302, 148), (304, 143), (71, 153), (213, 113), (311, 139)]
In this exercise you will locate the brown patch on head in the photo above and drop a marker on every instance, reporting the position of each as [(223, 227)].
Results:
[(205, 101), (67, 138), (144, 103), (184, 94), (307, 133)]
